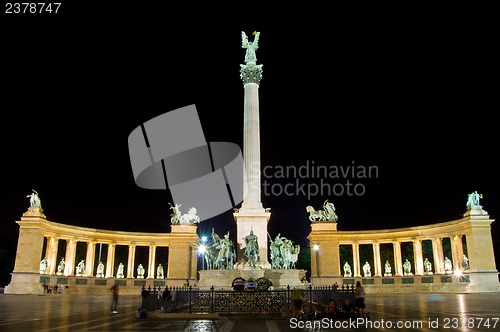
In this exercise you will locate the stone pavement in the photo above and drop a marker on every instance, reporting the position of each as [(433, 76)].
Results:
[(408, 312)]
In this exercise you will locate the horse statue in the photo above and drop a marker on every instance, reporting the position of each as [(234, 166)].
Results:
[(315, 215), (189, 218)]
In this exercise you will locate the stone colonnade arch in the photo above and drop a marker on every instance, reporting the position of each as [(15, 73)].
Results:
[(35, 229)]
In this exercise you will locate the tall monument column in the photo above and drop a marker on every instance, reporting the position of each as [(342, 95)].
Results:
[(252, 217)]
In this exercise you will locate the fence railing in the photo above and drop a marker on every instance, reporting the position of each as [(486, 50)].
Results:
[(194, 300)]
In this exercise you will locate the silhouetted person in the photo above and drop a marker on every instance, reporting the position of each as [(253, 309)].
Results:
[(114, 303)]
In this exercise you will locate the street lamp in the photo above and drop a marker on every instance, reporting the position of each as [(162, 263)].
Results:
[(316, 249), (201, 251)]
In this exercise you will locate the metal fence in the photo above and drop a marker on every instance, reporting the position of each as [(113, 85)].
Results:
[(193, 300)]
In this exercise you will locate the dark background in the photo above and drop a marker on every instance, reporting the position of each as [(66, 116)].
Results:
[(410, 90)]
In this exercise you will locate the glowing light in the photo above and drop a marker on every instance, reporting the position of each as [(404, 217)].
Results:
[(316, 247), (202, 248), (203, 239), (458, 272)]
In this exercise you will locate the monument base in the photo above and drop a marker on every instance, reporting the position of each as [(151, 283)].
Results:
[(24, 283), (483, 282), (281, 278)]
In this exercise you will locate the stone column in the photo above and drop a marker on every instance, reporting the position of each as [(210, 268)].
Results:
[(69, 268), (457, 251), (376, 259), (193, 263), (252, 217), (89, 259), (355, 260), (437, 250), (151, 262), (419, 261), (110, 264), (52, 245), (131, 261), (398, 263)]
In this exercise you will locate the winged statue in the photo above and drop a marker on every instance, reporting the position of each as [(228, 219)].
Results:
[(250, 56)]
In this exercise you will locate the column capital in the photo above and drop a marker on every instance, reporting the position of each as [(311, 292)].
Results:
[(251, 73)]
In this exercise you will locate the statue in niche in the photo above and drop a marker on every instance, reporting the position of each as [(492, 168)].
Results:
[(250, 56), (140, 272), (388, 269), (43, 266), (120, 271), (251, 248), (448, 267), (100, 270), (347, 270), (473, 200), (61, 266), (465, 263), (80, 268), (35, 201), (427, 266), (367, 270), (407, 268), (159, 272)]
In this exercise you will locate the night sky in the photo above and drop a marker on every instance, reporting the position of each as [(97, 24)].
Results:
[(409, 93)]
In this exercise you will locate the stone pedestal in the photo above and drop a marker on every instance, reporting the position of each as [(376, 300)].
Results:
[(256, 221), (182, 254), (281, 278)]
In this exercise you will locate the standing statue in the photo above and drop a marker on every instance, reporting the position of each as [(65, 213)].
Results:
[(465, 263), (159, 272), (473, 200), (252, 248), (330, 211), (367, 270), (347, 270), (226, 255), (388, 269), (448, 267), (100, 270), (407, 268), (140, 272), (61, 266), (43, 266), (80, 268), (250, 56), (120, 272), (175, 216), (35, 201), (427, 266)]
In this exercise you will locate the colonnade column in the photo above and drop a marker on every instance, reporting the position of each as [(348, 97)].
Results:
[(376, 259), (398, 264), (457, 251), (89, 259), (151, 263), (131, 261), (355, 259), (52, 245), (437, 250), (69, 269), (110, 264), (417, 253)]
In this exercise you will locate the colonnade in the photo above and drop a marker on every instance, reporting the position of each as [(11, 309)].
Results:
[(475, 226), (51, 254), (35, 230)]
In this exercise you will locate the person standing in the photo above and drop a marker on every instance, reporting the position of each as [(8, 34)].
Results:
[(114, 303), (360, 299)]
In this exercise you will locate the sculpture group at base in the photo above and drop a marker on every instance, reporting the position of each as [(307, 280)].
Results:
[(284, 254)]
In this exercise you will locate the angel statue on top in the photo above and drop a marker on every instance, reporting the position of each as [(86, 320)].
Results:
[(250, 56)]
